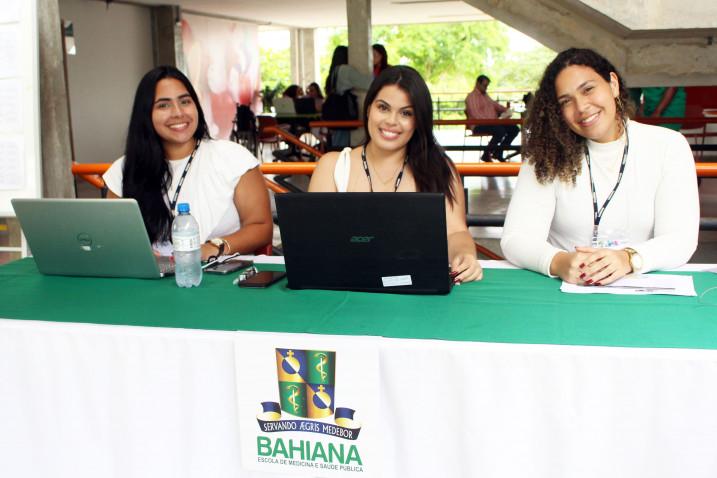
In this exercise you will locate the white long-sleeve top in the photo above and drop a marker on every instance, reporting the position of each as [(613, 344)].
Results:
[(655, 209)]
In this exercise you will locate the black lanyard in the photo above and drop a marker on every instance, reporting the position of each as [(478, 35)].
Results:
[(173, 202), (597, 215), (368, 173)]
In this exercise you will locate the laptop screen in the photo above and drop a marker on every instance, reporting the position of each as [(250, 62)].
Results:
[(87, 237), (377, 242)]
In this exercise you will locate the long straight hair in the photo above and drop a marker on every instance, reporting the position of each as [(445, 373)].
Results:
[(340, 57), (384, 56), (432, 169), (146, 175)]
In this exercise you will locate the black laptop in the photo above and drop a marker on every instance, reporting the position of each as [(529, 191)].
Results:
[(373, 242), (305, 106)]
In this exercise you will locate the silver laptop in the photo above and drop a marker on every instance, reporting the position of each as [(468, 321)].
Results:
[(89, 237), (284, 106)]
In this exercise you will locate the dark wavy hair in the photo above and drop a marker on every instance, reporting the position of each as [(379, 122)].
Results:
[(318, 89), (384, 56), (339, 57), (549, 143), (146, 174), (431, 167), (292, 91)]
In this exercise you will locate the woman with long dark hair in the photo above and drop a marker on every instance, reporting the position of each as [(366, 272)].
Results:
[(600, 196), (343, 79), (401, 154), (380, 58), (170, 158)]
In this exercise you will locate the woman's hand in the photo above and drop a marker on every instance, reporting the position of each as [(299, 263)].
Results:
[(208, 250), (591, 266), (603, 266), (568, 266), (465, 268)]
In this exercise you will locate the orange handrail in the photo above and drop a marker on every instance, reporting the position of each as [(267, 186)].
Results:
[(275, 187), (445, 122), (698, 120), (290, 138), (94, 179), (704, 170)]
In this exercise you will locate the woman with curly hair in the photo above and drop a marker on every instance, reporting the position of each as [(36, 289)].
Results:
[(600, 196)]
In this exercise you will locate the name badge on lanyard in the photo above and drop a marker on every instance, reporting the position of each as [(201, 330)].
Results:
[(597, 214)]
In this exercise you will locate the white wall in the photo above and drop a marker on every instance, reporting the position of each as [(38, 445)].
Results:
[(114, 51)]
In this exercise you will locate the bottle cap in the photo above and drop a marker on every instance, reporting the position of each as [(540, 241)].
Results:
[(183, 208)]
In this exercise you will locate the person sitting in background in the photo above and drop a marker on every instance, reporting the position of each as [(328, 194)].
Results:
[(380, 59), (527, 101), (400, 154), (481, 106), (600, 196), (293, 92), (667, 102), (314, 91), (170, 158)]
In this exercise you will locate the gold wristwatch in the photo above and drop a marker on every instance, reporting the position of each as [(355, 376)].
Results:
[(221, 245), (635, 260)]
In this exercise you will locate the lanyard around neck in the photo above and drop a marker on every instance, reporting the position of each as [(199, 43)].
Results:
[(597, 214), (173, 202), (368, 173)]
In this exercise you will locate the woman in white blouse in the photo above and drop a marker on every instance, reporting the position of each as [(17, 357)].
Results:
[(170, 158), (600, 196)]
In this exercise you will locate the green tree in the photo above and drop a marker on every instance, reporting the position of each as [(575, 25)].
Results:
[(449, 56), (275, 67), (446, 54)]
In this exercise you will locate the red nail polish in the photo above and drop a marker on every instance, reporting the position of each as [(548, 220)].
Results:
[(589, 281), (597, 283), (582, 265), (582, 275)]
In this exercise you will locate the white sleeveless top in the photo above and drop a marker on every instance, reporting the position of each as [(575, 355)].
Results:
[(342, 170)]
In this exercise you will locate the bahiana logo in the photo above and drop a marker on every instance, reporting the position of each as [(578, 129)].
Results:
[(306, 381), (306, 389)]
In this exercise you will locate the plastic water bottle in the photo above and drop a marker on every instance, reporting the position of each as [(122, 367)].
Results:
[(187, 249)]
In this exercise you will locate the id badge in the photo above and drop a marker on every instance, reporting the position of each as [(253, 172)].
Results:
[(608, 240)]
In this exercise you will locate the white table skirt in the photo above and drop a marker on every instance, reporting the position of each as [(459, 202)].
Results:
[(110, 401)]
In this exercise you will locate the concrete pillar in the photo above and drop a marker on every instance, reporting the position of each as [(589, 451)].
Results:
[(295, 55), (304, 62), (309, 59), (167, 36), (55, 129), (359, 14)]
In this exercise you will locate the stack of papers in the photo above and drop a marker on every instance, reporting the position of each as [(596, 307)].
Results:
[(646, 284)]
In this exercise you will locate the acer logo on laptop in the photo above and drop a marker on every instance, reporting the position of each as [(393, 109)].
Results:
[(361, 239)]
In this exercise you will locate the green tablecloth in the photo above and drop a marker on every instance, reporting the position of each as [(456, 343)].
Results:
[(512, 306)]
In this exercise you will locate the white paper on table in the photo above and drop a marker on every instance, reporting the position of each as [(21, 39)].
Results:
[(646, 284), (264, 259)]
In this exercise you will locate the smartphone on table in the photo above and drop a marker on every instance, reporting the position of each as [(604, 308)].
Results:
[(227, 267), (261, 279)]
